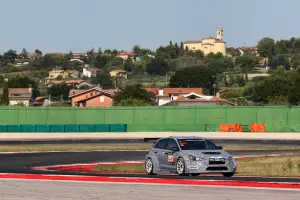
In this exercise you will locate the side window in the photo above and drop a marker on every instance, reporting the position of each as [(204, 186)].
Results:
[(162, 144), (172, 143)]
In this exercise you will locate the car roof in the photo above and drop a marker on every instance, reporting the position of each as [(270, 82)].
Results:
[(186, 137)]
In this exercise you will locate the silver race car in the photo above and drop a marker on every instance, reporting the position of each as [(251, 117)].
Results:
[(189, 155)]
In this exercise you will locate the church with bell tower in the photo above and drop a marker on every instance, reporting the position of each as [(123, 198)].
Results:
[(209, 44)]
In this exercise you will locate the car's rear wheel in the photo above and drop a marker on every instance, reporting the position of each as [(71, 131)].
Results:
[(149, 166), (228, 174), (180, 167)]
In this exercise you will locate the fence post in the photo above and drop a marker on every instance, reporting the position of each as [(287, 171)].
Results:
[(75, 115), (287, 118), (195, 115)]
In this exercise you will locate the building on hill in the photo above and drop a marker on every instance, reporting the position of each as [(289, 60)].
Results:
[(94, 97), (54, 74), (19, 96), (185, 97), (118, 73), (209, 44), (124, 55), (193, 99), (90, 72)]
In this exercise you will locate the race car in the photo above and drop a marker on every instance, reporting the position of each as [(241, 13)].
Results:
[(189, 156)]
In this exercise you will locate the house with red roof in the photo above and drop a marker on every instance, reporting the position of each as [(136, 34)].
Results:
[(124, 55), (185, 97)]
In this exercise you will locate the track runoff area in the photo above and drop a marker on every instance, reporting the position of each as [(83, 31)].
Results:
[(71, 169)]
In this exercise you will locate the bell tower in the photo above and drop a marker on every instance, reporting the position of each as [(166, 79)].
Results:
[(220, 33)]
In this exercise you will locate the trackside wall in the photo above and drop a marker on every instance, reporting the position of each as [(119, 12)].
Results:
[(139, 119)]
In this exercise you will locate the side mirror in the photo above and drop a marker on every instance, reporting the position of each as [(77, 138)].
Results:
[(174, 149), (219, 147)]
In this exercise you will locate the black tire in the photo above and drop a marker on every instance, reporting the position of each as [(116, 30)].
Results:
[(228, 174), (195, 174), (149, 171), (182, 170)]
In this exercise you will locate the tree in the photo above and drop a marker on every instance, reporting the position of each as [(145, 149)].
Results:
[(134, 103), (39, 52), (270, 88), (137, 50), (59, 91), (21, 82), (10, 56), (157, 66), (59, 77), (266, 47), (196, 76), (24, 53), (4, 97), (128, 65), (246, 62), (181, 49), (136, 93), (49, 61), (296, 46), (293, 96), (295, 60), (103, 79)]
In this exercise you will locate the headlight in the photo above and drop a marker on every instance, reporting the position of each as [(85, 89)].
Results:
[(232, 159), (195, 158)]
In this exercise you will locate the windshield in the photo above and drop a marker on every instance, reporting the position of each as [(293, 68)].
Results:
[(194, 144)]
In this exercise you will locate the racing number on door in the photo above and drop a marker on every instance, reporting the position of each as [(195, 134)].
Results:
[(170, 158)]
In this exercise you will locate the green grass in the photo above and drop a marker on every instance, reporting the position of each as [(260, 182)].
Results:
[(285, 166), (121, 146)]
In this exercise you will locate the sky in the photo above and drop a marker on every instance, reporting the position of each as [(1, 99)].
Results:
[(79, 25)]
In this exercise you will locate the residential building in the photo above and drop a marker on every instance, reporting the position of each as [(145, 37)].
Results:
[(79, 55), (74, 73), (50, 83), (252, 49), (118, 73), (166, 95), (94, 97), (74, 83), (90, 72), (19, 96), (209, 44), (124, 55), (44, 101), (194, 99), (53, 74)]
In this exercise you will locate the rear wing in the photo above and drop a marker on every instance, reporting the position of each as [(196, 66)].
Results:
[(151, 139)]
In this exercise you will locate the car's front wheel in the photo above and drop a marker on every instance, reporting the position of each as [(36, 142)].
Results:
[(149, 166), (180, 167), (228, 174)]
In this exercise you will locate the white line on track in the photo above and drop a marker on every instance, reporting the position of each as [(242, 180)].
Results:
[(158, 184)]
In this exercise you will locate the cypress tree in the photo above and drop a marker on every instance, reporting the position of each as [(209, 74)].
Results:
[(4, 97)]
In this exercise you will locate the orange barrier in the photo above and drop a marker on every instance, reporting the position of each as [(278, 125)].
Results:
[(230, 127), (257, 128)]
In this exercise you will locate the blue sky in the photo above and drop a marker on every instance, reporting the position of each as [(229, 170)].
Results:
[(79, 25)]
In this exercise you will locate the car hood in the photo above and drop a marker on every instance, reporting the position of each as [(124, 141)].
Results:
[(207, 153)]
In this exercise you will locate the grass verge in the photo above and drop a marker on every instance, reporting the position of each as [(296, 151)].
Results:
[(285, 166), (121, 146)]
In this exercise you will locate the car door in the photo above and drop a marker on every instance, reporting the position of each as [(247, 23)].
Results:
[(168, 155), (161, 149)]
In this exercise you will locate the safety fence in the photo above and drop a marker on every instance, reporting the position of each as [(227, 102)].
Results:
[(148, 119)]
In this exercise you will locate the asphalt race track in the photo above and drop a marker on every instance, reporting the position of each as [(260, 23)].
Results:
[(54, 190), (23, 162)]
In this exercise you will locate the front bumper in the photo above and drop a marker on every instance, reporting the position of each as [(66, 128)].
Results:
[(204, 167)]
